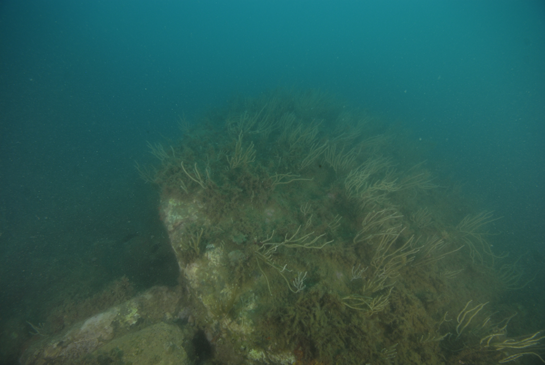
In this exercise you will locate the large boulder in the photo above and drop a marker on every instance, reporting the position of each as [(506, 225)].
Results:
[(161, 343), (133, 330), (304, 235)]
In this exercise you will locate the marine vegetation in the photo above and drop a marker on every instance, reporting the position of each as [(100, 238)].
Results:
[(308, 233)]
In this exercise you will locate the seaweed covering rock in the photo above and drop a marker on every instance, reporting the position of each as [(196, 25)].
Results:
[(306, 233)]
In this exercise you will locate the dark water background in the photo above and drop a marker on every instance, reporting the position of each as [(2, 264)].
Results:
[(85, 84)]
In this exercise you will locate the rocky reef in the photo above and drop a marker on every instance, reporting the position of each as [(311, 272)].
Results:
[(307, 233)]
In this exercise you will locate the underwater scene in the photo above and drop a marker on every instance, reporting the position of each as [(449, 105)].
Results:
[(272, 183)]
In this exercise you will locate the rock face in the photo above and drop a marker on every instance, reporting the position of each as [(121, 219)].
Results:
[(223, 306), (127, 332)]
